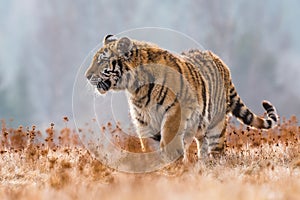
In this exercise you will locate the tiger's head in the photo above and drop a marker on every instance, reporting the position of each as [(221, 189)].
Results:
[(109, 64)]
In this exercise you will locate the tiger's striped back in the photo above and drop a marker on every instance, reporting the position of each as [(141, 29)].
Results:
[(216, 75)]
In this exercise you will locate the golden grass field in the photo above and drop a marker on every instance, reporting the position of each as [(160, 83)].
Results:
[(256, 165)]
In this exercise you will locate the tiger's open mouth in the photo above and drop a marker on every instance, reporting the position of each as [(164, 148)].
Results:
[(104, 85)]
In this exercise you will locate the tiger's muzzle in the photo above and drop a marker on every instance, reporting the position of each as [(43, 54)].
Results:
[(103, 85)]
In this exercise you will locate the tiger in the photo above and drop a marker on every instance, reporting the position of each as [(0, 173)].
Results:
[(174, 98)]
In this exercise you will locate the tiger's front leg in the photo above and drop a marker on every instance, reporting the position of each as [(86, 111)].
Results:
[(171, 143), (190, 131), (177, 133)]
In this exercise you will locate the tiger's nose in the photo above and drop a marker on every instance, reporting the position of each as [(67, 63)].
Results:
[(89, 76), (93, 79)]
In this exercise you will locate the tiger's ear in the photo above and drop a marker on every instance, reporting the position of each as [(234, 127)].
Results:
[(124, 46), (109, 38)]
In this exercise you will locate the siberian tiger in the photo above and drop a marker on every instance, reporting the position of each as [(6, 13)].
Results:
[(174, 98)]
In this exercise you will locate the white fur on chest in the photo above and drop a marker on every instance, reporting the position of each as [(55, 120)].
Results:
[(150, 115), (154, 115)]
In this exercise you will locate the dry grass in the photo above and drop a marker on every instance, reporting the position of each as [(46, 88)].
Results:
[(256, 165)]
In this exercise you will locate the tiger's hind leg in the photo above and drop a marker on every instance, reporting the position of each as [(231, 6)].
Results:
[(202, 145), (215, 138), (210, 142)]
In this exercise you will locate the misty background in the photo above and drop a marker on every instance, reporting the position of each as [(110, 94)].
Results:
[(43, 43)]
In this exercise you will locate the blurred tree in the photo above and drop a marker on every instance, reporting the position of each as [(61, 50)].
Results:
[(4, 108), (15, 103)]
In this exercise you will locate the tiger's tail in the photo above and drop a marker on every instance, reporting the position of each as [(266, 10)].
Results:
[(244, 114)]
